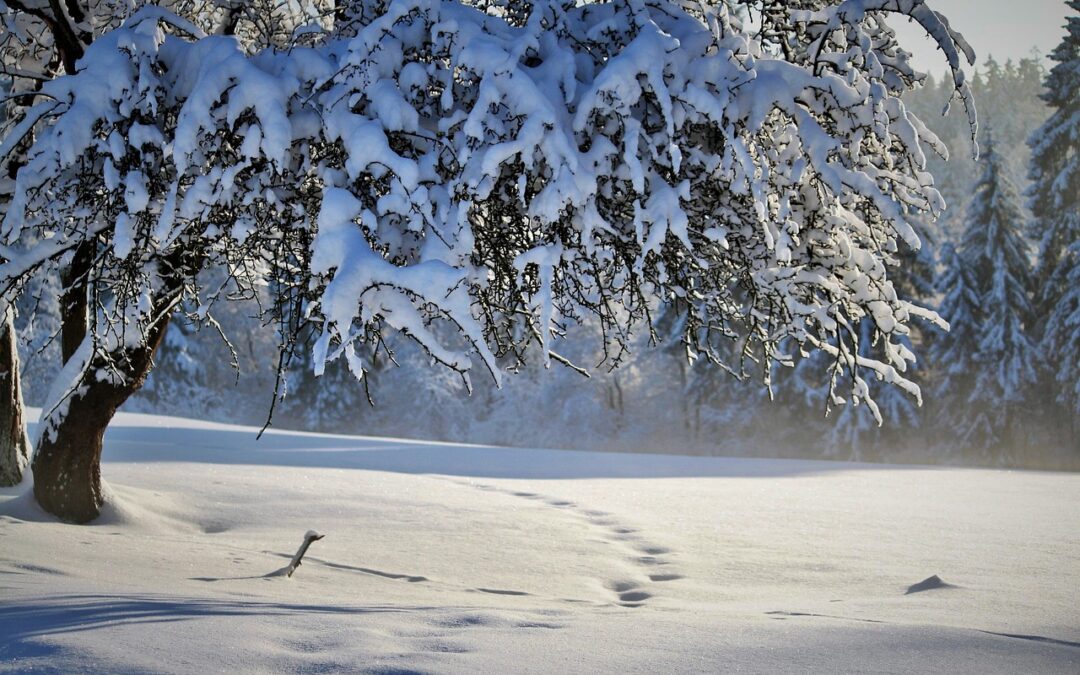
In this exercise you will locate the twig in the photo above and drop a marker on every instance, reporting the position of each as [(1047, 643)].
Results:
[(288, 570)]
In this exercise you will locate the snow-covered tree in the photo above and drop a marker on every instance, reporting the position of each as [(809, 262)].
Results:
[(861, 433), (1055, 202), (40, 42), (1061, 339), (333, 399), (955, 354), (14, 443), (1008, 94), (478, 178), (991, 361)]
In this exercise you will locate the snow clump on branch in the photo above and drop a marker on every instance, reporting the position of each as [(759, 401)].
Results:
[(479, 175)]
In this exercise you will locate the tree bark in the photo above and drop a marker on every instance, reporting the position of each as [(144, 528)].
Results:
[(75, 301), (14, 444), (67, 464)]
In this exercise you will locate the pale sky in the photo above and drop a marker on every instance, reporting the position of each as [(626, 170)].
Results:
[(1006, 29)]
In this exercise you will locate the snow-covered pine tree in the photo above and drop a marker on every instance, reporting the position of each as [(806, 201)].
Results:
[(954, 355), (1005, 364), (1009, 94), (1061, 342), (1054, 200), (476, 177)]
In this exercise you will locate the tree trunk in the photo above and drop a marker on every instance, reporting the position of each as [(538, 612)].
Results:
[(67, 464), (75, 301), (14, 445)]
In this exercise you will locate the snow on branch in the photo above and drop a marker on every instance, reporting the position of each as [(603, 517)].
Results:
[(478, 175)]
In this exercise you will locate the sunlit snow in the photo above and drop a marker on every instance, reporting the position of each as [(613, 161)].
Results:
[(448, 558)]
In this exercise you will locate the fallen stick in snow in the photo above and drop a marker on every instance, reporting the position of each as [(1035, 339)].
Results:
[(288, 570)]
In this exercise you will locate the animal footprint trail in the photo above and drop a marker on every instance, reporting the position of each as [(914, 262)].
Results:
[(654, 550), (629, 593), (660, 578), (635, 548)]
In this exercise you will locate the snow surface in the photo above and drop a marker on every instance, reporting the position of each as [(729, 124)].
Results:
[(450, 558)]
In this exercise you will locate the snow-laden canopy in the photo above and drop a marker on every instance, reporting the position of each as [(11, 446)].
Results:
[(477, 174)]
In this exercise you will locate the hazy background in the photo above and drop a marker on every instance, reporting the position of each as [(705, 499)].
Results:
[(1006, 29)]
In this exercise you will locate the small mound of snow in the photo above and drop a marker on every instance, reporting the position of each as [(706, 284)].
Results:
[(124, 507), (146, 510), (23, 506)]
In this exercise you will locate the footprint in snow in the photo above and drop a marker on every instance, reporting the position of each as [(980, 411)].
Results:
[(634, 596), (654, 550), (665, 577), (622, 586), (646, 554), (629, 593)]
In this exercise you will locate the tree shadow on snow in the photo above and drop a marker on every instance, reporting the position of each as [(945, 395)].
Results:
[(22, 623)]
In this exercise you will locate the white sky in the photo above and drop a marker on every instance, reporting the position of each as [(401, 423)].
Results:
[(1006, 29)]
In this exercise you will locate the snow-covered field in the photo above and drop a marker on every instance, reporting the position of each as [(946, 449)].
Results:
[(444, 558)]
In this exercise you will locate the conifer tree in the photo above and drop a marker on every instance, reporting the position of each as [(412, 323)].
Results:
[(989, 288), (1061, 340), (954, 354), (1007, 93), (1055, 204)]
